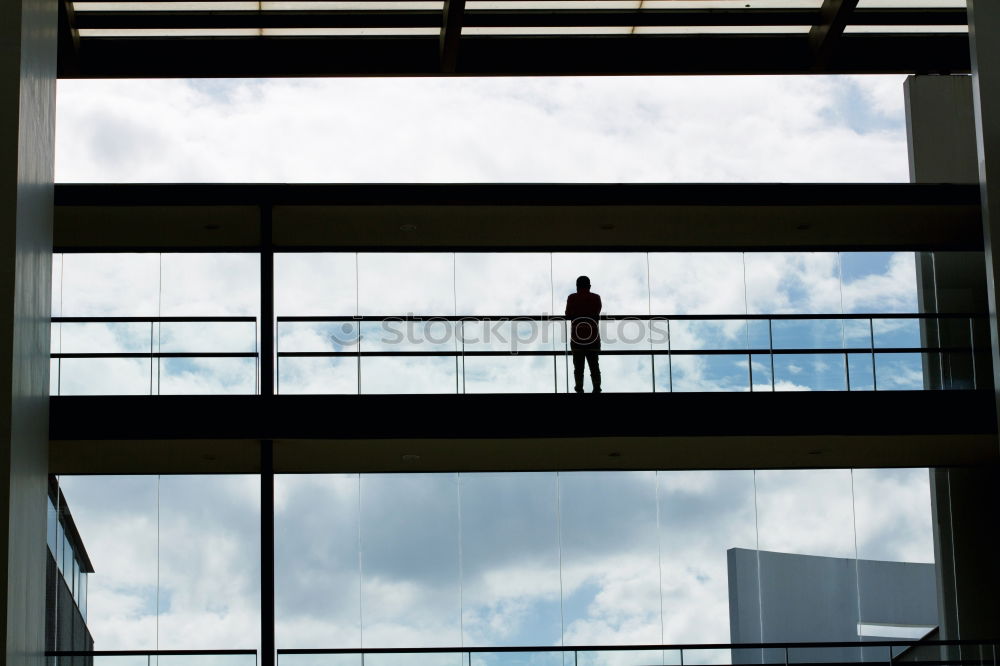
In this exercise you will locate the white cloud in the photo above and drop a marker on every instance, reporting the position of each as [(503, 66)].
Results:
[(628, 129)]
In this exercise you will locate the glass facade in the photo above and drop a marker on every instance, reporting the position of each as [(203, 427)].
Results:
[(376, 323)]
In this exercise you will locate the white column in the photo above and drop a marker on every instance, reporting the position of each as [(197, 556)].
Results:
[(27, 129)]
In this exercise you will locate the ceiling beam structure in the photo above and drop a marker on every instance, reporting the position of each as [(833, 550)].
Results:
[(826, 34), (519, 217), (123, 39), (451, 34)]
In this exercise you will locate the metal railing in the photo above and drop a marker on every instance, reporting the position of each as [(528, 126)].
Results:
[(887, 652), (154, 353), (760, 341), (853, 340), (151, 657)]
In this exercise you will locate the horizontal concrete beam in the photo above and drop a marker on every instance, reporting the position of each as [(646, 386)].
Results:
[(522, 432), (514, 217)]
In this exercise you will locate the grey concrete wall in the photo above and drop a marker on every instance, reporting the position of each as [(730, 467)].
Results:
[(941, 142), (27, 130), (808, 598)]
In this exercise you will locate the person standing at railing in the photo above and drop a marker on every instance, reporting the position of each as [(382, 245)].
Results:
[(583, 309)]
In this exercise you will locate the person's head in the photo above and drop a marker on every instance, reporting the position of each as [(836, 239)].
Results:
[(583, 283)]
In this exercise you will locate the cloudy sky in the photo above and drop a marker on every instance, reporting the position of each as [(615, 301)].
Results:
[(475, 559), (627, 129)]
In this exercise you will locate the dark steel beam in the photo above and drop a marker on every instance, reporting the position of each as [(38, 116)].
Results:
[(513, 194), (503, 18), (69, 40), (496, 55), (824, 36), (453, 15)]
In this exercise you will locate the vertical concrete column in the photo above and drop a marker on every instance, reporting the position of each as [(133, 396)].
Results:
[(27, 129), (941, 141), (984, 26)]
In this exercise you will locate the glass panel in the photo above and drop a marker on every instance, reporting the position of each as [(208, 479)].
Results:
[(705, 517), (210, 284), (808, 578), (519, 659), (409, 375), (209, 565), (105, 376), (696, 282), (205, 337), (893, 509), (618, 658), (509, 374), (609, 553), (896, 333), (394, 335), (858, 333), (317, 575), (60, 551), (793, 282), (623, 374), (879, 282), (318, 375), (899, 372), (67, 562), (511, 336), (207, 376), (714, 335), (510, 563), (117, 520), (409, 552), (718, 372), (339, 336), (105, 285), (862, 372), (619, 278), (807, 333), (52, 528), (810, 372), (406, 283), (504, 284), (82, 600), (316, 284), (107, 338), (629, 334), (762, 377)]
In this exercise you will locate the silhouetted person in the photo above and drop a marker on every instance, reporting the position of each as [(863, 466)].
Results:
[(583, 310)]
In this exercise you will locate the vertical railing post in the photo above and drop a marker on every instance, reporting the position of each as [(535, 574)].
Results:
[(267, 553), (151, 357), (972, 351), (770, 349), (871, 339), (266, 300), (670, 359)]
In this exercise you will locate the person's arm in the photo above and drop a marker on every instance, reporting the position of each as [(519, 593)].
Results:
[(570, 310), (599, 305)]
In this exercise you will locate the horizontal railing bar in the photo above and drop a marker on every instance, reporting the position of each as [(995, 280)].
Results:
[(718, 317), (633, 352), (155, 355), (149, 320), (143, 653), (624, 648)]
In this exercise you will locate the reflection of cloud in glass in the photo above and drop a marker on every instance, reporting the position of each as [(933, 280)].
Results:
[(513, 284), (471, 559)]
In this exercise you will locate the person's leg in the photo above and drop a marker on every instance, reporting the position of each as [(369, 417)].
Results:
[(578, 356), (595, 369)]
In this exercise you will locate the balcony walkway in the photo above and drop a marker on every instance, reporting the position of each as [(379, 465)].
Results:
[(367, 433)]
